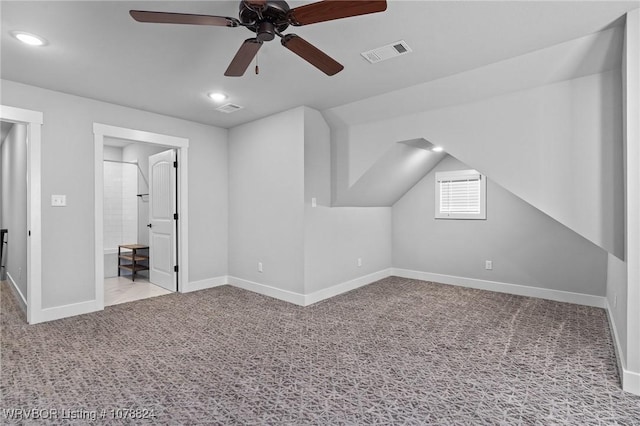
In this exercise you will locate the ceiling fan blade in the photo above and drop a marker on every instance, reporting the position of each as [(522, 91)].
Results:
[(311, 54), (182, 18), (329, 10), (243, 58)]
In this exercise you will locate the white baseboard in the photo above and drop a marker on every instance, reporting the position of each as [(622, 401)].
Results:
[(346, 286), (204, 284), (520, 290), (630, 380), (266, 290), (22, 301), (73, 309), (620, 357)]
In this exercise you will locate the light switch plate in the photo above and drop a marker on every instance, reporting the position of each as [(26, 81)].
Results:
[(58, 200)]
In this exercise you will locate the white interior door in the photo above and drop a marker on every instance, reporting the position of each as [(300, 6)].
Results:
[(162, 227)]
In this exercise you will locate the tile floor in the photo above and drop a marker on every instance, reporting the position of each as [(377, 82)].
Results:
[(121, 290)]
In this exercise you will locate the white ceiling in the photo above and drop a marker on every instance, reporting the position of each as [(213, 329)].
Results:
[(96, 50)]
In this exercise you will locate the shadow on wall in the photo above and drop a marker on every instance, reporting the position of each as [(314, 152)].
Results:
[(400, 167)]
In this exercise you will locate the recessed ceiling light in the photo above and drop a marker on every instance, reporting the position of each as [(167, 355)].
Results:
[(30, 39), (217, 96), (437, 149)]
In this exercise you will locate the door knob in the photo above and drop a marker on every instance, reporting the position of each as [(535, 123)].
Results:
[(149, 225)]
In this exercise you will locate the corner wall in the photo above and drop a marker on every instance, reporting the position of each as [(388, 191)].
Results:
[(623, 276), (558, 147), (68, 268), (336, 237), (308, 253), (527, 247), (266, 202)]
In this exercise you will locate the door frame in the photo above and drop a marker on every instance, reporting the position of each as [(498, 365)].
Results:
[(33, 120), (181, 145)]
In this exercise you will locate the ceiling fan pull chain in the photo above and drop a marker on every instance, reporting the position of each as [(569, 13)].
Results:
[(257, 67)]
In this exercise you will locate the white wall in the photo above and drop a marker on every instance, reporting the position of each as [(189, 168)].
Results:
[(68, 168), (120, 204), (14, 205), (526, 246), (140, 153), (112, 152), (335, 237), (632, 167), (623, 280), (558, 147), (266, 201)]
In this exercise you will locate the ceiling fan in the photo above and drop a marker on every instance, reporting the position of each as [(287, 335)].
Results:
[(269, 18)]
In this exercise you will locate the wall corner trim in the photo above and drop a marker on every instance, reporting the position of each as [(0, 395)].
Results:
[(205, 284), (630, 380), (516, 289), (346, 286), (70, 310), (22, 301), (267, 290)]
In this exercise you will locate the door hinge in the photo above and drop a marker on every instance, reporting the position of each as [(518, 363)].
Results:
[(175, 216), (175, 164), (175, 268)]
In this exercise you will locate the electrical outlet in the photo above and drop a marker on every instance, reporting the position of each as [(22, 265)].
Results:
[(488, 265), (259, 266), (359, 262), (314, 202), (58, 200)]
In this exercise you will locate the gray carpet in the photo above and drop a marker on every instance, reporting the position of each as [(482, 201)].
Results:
[(398, 351)]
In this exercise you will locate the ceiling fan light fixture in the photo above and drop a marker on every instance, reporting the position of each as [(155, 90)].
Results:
[(270, 18), (29, 39), (217, 96)]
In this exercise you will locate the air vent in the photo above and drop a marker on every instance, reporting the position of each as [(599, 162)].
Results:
[(387, 52), (229, 108)]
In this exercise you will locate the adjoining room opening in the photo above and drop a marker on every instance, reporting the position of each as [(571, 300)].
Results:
[(140, 189), (13, 208)]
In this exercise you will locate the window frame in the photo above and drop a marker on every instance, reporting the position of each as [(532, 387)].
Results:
[(461, 175)]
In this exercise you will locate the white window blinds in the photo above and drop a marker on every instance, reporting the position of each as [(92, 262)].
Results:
[(460, 195)]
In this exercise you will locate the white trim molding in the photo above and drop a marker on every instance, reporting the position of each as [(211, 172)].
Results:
[(329, 292), (22, 301), (204, 284), (267, 290), (34, 121), (70, 310), (630, 381), (520, 290), (182, 147)]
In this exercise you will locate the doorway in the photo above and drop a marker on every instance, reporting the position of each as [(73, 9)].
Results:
[(129, 152), (137, 265), (29, 291), (13, 208)]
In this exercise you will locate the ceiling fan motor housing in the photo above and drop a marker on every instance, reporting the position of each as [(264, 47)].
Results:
[(266, 21)]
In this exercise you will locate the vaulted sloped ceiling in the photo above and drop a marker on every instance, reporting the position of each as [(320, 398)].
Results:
[(392, 175), (557, 146)]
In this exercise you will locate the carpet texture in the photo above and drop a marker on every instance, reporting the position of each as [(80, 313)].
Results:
[(397, 351)]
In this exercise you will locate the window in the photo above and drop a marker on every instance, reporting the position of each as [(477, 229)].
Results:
[(461, 195)]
